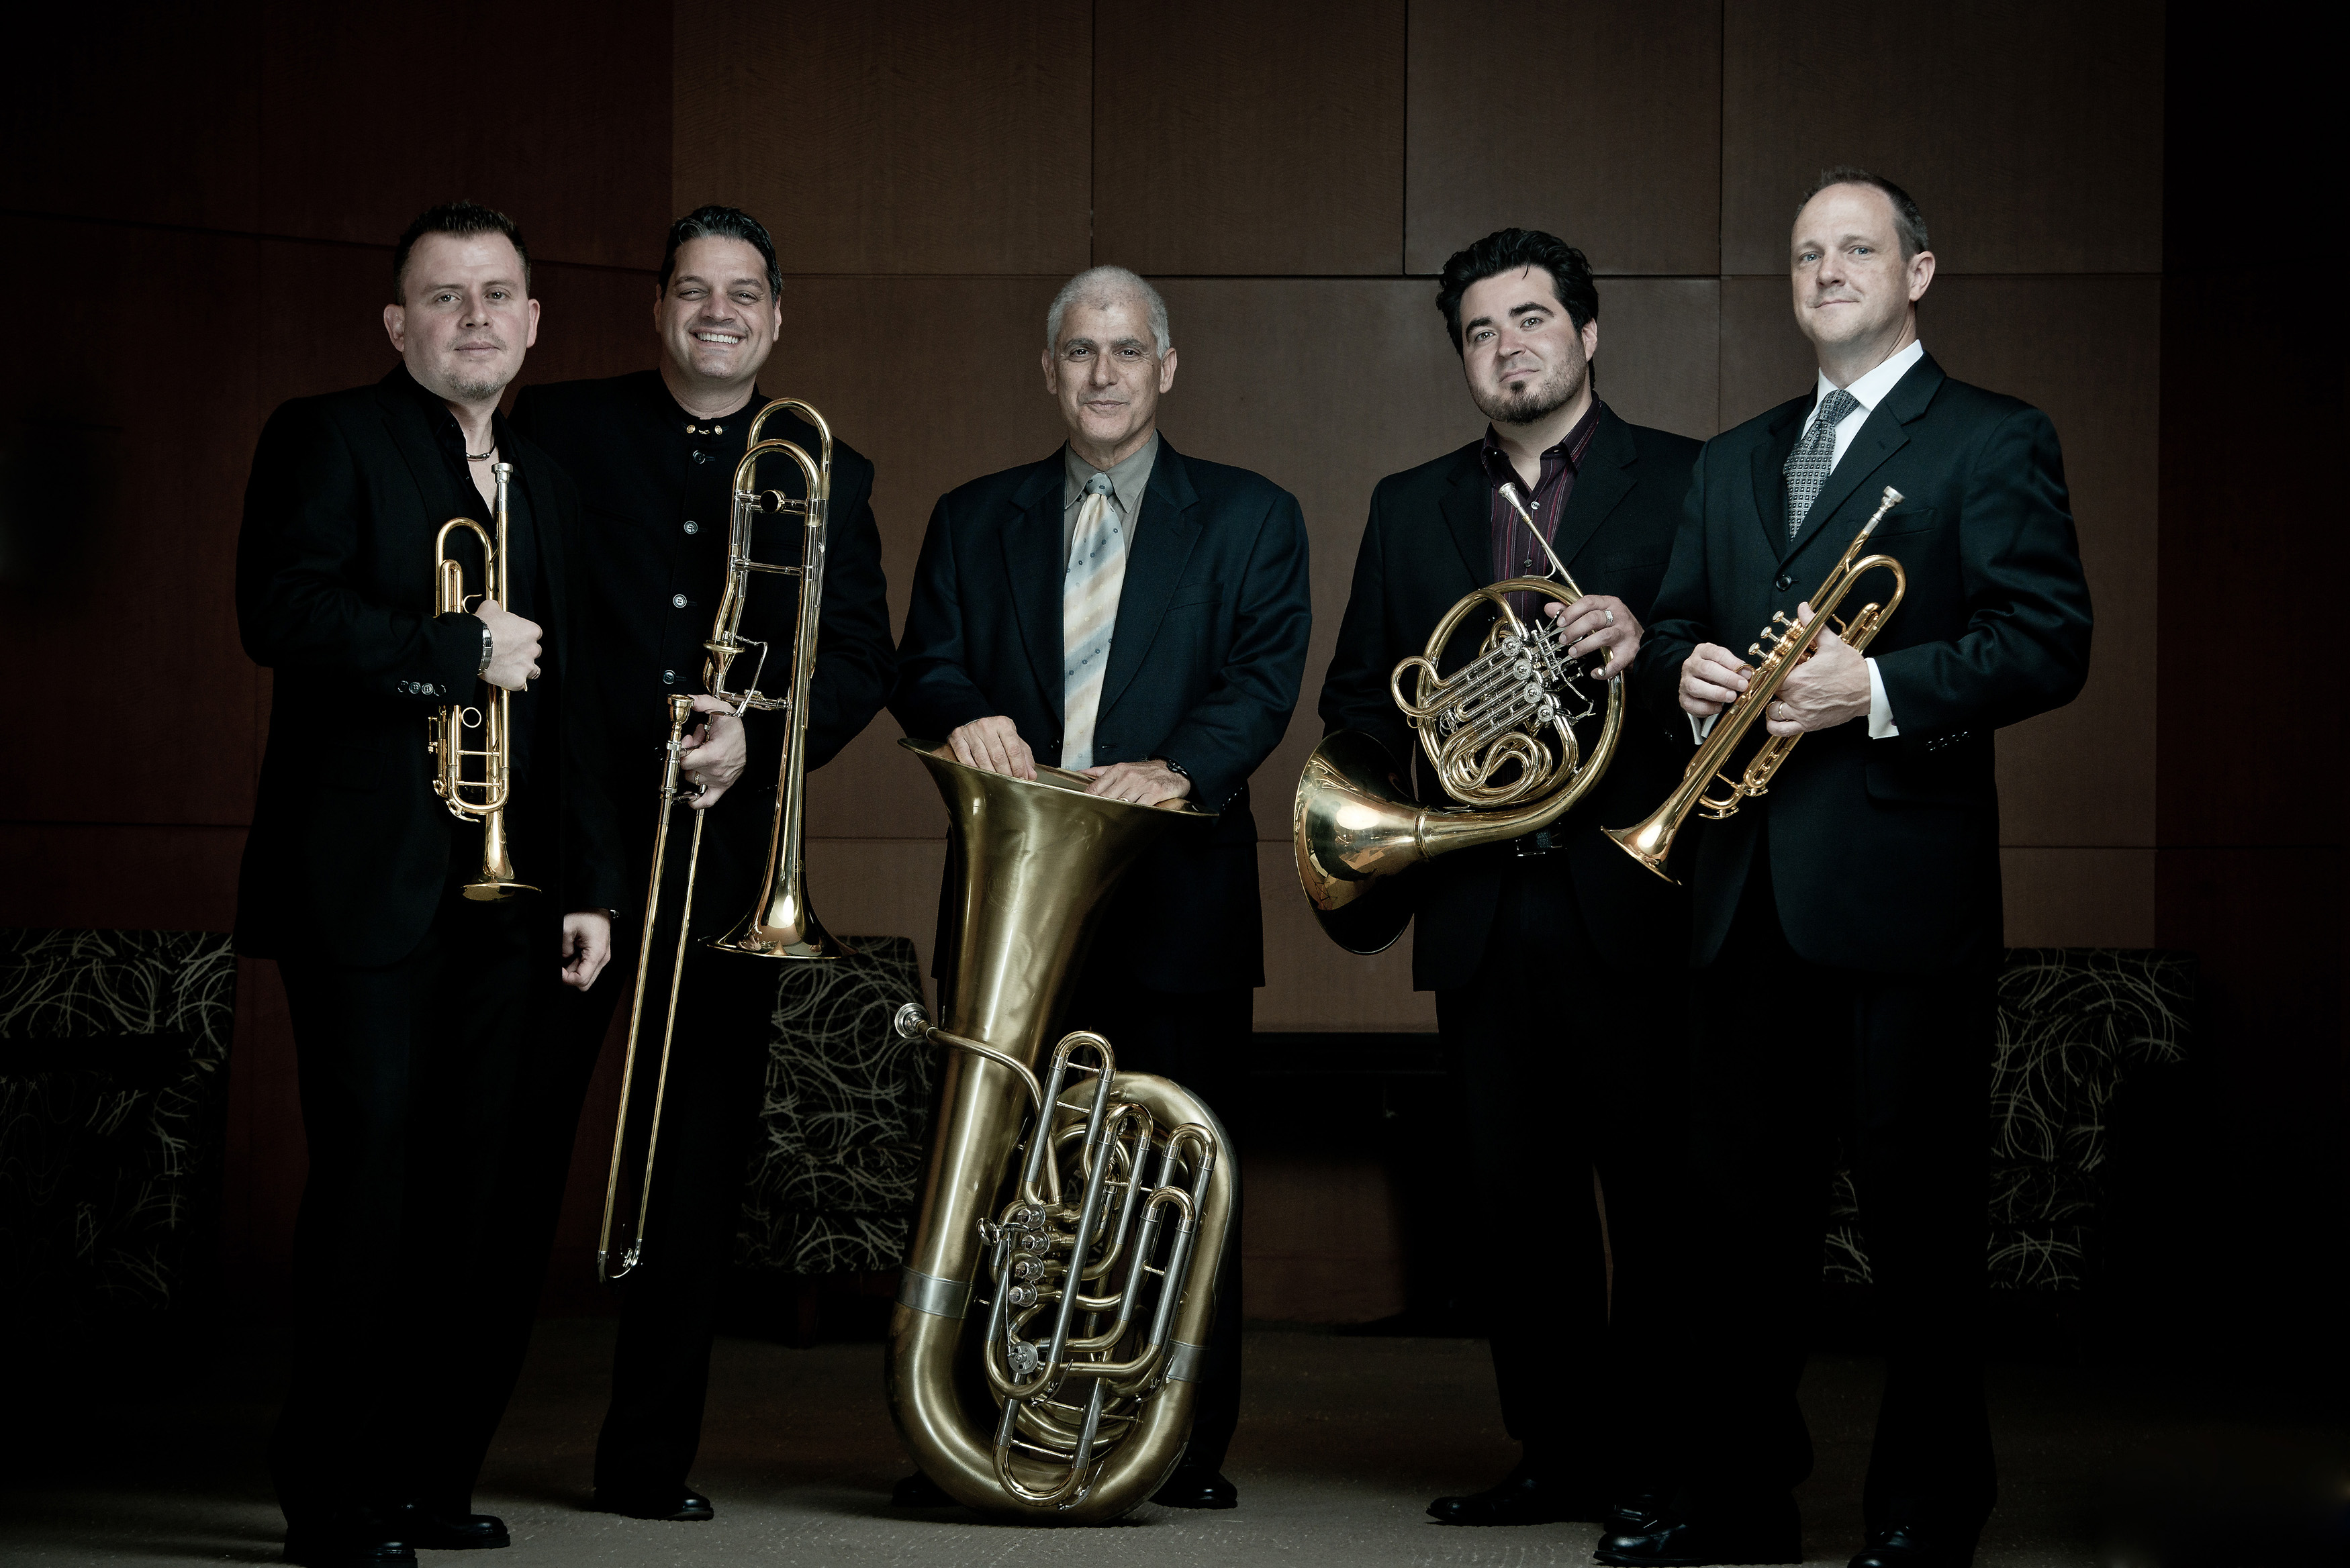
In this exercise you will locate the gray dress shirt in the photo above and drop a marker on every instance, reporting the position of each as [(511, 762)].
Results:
[(1126, 481)]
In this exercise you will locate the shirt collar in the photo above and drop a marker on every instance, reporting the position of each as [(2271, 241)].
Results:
[(442, 423), (1569, 448), (1125, 479), (1869, 391)]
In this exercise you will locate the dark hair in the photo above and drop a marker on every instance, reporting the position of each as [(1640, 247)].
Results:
[(721, 224), (1507, 250), (455, 218), (1907, 221)]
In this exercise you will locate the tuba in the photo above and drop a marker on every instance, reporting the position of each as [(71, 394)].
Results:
[(1500, 733), (1651, 840), (484, 798), (780, 924), (1074, 1218)]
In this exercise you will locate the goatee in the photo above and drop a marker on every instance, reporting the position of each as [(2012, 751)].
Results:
[(1527, 404)]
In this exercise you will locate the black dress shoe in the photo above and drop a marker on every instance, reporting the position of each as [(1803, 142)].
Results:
[(919, 1491), (1642, 1511), (1196, 1489), (679, 1502), (360, 1537), (1776, 1536), (1907, 1546), (430, 1530), (1525, 1497)]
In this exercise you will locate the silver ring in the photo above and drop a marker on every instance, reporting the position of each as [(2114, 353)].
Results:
[(1610, 615)]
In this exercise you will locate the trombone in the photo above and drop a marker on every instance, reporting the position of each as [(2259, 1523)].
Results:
[(1651, 840), (780, 924), (445, 731)]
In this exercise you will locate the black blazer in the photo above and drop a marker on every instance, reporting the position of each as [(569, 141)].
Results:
[(1204, 665), (1885, 854), (619, 439), (1429, 542), (350, 849)]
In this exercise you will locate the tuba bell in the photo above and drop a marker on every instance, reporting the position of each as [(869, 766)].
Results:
[(1499, 734), (1071, 1220), (482, 799)]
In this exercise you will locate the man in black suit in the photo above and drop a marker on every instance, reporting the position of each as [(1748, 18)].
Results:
[(410, 1000), (1847, 923), (1558, 1004), (654, 453), (1139, 615)]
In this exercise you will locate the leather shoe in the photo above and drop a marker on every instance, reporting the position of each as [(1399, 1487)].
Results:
[(1773, 1537), (681, 1503), (1196, 1489), (360, 1537), (1907, 1546), (919, 1491), (429, 1530), (1525, 1496)]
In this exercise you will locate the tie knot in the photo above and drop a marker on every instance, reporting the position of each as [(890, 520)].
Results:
[(1099, 485), (1836, 406)]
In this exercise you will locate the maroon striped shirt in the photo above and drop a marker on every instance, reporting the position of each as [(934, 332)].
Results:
[(1516, 552)]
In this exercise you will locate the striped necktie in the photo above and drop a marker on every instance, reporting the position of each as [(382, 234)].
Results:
[(1089, 591), (1813, 459)]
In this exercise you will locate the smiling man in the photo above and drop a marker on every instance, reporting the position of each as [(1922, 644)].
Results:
[(654, 453), (1847, 923), (1140, 617), (411, 1003)]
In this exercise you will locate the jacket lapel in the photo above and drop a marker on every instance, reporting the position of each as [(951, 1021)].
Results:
[(411, 437), (1032, 560), (1605, 479), (1168, 529), (1468, 515), (547, 533), (1770, 459), (1881, 435)]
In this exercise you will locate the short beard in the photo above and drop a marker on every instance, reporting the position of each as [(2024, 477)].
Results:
[(1538, 402), (475, 391)]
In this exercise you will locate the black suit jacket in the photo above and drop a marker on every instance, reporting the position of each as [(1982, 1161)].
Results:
[(1204, 665), (619, 439), (351, 849), (1884, 854), (1429, 544)]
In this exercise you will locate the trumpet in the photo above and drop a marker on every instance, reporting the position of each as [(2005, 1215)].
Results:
[(482, 799), (1651, 840), (780, 924)]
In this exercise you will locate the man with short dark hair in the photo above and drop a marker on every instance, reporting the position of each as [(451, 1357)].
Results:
[(1125, 611), (1847, 922), (654, 453), (411, 995), (1556, 997)]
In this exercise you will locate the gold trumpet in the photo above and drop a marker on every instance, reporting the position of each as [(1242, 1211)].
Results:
[(483, 799), (780, 924), (1651, 840), (1500, 733), (1071, 1219)]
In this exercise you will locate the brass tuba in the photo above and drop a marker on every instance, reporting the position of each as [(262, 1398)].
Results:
[(483, 799), (1500, 734), (780, 924), (1075, 1219), (1651, 840)]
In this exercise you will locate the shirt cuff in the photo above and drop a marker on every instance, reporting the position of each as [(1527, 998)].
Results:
[(1881, 726), (1700, 728)]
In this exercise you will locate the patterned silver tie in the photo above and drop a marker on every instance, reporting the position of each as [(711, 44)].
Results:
[(1813, 459), (1089, 591)]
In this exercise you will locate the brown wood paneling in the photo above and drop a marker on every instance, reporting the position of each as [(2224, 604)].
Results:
[(1240, 138), (2084, 350), (593, 322), (2030, 135), (1323, 1240), (1312, 985), (893, 139), (2085, 898), (119, 877), (1599, 122)]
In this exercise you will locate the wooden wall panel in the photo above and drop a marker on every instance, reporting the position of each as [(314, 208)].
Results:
[(2030, 134), (892, 139), (1235, 137), (1599, 122), (2077, 897), (1312, 985)]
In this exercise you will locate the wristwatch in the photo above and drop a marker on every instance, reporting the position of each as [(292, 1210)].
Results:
[(489, 647)]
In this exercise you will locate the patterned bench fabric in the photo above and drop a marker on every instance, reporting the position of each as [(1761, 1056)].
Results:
[(847, 1119), (2073, 1023), (113, 1099)]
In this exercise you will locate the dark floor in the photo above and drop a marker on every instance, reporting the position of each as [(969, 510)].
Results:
[(1343, 1441)]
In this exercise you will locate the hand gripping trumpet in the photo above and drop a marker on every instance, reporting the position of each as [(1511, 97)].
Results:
[(1651, 840), (780, 924), (483, 799)]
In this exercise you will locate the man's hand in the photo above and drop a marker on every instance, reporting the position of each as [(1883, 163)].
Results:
[(513, 648), (994, 745), (1598, 624), (715, 751), (586, 946), (1712, 677), (1829, 687), (1144, 784)]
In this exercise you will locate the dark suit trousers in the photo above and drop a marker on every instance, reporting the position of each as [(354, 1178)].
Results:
[(1567, 1066), (408, 1074), (1199, 1039), (1793, 1061)]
